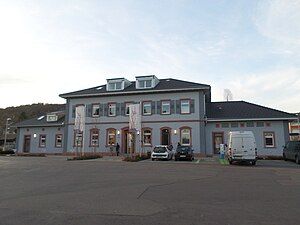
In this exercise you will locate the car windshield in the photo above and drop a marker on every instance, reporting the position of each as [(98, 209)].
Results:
[(159, 149), (183, 148)]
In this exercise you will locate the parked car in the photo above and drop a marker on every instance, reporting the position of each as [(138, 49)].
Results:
[(241, 147), (184, 152), (291, 151), (161, 152)]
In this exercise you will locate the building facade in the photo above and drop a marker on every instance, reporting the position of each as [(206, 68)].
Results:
[(172, 112)]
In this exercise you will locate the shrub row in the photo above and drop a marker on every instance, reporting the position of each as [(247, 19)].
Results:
[(136, 158), (85, 157)]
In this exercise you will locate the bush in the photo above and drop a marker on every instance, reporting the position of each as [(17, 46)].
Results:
[(7, 152), (136, 158), (85, 157)]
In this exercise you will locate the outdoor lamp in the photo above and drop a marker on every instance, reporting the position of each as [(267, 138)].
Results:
[(175, 132)]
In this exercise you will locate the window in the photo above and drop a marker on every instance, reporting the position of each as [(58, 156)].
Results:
[(95, 110), (185, 106), (242, 125), (127, 104), (185, 136), (269, 138), (111, 136), (58, 140), (250, 124), (225, 125), (165, 107), (112, 109), (78, 138), (113, 86), (42, 142), (260, 124), (94, 137), (145, 83), (147, 137), (146, 108), (234, 124)]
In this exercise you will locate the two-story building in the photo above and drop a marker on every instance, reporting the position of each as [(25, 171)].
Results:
[(172, 111)]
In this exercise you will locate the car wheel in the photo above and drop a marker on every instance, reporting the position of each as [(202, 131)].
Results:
[(230, 161), (152, 159), (284, 158), (297, 160), (253, 163)]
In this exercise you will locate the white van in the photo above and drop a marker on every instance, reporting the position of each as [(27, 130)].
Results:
[(241, 147)]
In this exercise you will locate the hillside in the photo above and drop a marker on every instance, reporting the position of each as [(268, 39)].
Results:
[(24, 112)]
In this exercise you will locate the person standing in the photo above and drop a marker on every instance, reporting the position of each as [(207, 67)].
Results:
[(117, 149)]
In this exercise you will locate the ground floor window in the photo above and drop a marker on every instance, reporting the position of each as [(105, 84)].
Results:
[(78, 139), (147, 137), (94, 137), (111, 136), (185, 136), (42, 142), (269, 139), (58, 140)]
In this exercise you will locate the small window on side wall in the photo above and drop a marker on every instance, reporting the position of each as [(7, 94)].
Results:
[(58, 141), (185, 106), (269, 138), (111, 136), (42, 142), (147, 137), (259, 124), (146, 108)]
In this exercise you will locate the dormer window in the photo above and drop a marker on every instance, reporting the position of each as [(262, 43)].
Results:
[(117, 84), (145, 84), (114, 86), (52, 118)]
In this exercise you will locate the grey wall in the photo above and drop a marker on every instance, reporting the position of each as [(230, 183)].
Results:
[(155, 121), (278, 127), (50, 133)]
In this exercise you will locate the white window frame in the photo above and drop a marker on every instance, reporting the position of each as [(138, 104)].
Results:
[(113, 85), (111, 132), (185, 103), (112, 106), (182, 135), (42, 140), (147, 104), (269, 134), (94, 142), (127, 104), (147, 132), (94, 108), (165, 103), (145, 83), (58, 137)]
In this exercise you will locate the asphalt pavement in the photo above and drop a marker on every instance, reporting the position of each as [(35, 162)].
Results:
[(51, 190)]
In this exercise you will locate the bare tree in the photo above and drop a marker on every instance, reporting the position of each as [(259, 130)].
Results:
[(228, 95)]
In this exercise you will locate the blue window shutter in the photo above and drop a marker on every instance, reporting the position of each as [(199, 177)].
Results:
[(123, 109), (178, 110), (158, 107), (192, 105), (152, 107), (118, 109), (105, 110), (101, 113), (172, 106), (73, 111)]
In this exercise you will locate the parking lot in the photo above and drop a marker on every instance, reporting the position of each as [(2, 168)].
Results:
[(52, 190)]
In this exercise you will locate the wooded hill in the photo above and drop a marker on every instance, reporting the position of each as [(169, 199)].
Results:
[(23, 112)]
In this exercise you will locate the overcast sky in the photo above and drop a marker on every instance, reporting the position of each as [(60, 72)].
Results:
[(52, 47)]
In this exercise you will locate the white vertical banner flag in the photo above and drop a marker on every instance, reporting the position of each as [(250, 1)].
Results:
[(80, 118), (135, 117)]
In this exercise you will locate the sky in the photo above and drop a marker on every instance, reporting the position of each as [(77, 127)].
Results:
[(52, 47)]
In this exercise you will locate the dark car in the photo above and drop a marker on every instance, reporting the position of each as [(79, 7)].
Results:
[(291, 151), (184, 152)]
